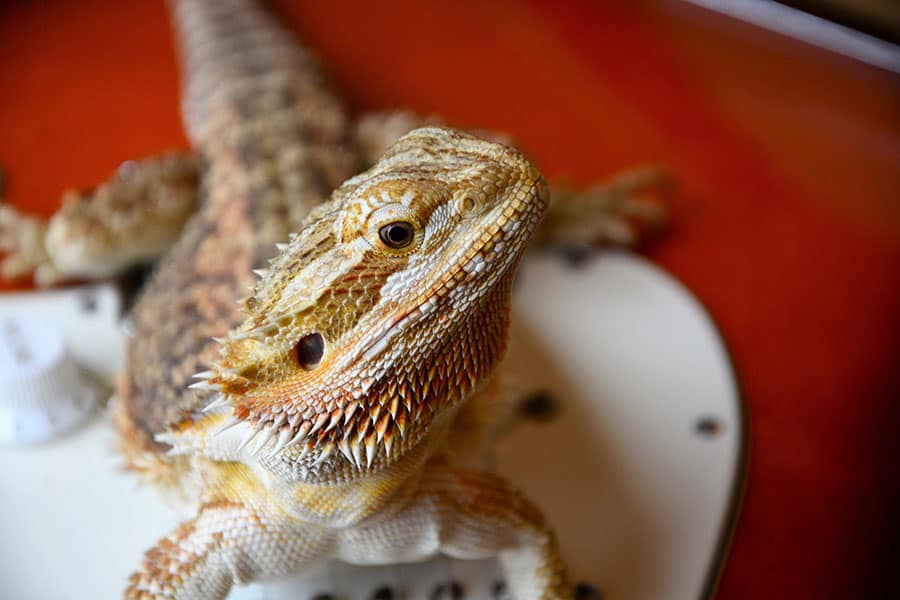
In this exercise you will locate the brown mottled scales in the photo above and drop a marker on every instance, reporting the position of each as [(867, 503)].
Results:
[(276, 142), (330, 413)]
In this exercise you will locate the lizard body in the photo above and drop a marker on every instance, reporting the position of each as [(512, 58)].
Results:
[(346, 364), (321, 421)]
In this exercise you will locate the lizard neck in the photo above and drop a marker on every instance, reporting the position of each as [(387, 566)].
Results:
[(407, 405), (350, 499), (345, 503)]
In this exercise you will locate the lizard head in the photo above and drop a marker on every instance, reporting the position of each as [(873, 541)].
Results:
[(387, 308)]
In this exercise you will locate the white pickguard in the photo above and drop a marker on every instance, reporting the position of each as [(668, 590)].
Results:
[(640, 495)]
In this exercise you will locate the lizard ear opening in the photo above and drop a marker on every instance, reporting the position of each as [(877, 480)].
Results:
[(309, 350)]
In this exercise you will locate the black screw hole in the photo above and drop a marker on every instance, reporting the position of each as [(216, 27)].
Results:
[(384, 592), (88, 303), (499, 591), (541, 405), (708, 427), (575, 256), (451, 590), (586, 591)]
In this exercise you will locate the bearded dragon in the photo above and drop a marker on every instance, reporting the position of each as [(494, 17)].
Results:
[(324, 418)]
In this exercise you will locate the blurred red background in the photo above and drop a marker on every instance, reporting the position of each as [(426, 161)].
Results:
[(787, 226)]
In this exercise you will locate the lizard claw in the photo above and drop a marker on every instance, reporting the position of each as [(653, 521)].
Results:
[(22, 240), (621, 212)]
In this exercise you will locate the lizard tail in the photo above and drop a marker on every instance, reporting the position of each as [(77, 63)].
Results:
[(232, 51)]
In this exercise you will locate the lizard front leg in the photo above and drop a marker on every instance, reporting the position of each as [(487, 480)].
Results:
[(235, 538), (467, 514), (620, 211), (490, 516), (131, 218)]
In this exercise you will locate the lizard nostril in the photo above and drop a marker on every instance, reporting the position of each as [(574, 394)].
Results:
[(310, 349)]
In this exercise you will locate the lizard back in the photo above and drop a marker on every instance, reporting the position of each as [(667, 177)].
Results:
[(276, 142)]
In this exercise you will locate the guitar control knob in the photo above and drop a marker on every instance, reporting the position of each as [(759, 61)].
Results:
[(42, 391)]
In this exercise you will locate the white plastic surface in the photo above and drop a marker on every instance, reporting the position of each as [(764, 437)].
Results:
[(42, 392), (87, 317), (638, 473), (638, 495)]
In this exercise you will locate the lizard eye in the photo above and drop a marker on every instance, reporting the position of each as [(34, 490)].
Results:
[(398, 234), (309, 350)]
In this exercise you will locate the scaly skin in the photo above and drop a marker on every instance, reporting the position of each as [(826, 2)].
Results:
[(324, 422), (96, 234), (350, 358), (345, 453)]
